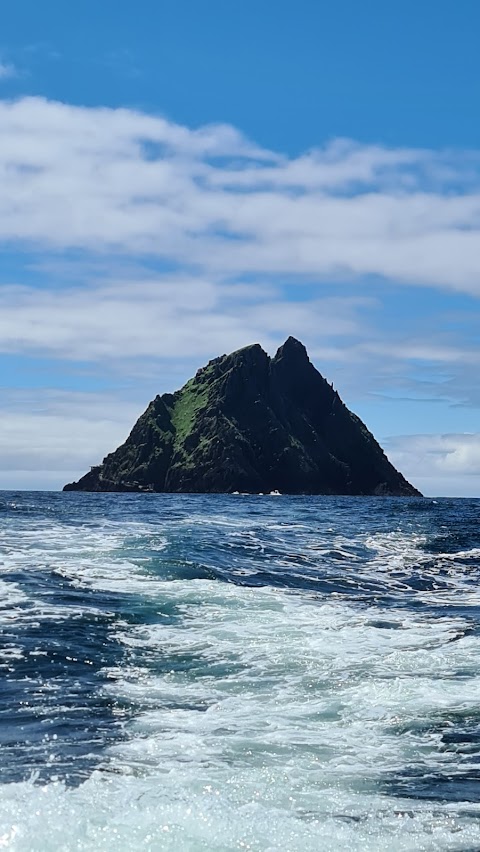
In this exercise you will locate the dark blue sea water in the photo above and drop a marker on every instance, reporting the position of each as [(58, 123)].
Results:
[(239, 673)]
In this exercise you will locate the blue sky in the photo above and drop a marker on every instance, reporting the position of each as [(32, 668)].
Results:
[(184, 178)]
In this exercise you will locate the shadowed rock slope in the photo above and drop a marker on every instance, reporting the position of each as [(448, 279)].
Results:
[(247, 422)]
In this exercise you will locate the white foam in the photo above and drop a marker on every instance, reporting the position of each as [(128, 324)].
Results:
[(91, 556), (11, 596), (294, 706), (264, 719), (133, 813)]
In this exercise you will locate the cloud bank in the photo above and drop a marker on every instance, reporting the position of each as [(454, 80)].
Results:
[(119, 180)]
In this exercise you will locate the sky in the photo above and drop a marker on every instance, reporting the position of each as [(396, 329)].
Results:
[(183, 178)]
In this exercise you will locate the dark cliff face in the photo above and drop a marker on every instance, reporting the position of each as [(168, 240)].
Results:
[(247, 422)]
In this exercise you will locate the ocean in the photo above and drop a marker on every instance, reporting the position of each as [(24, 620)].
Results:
[(215, 672)]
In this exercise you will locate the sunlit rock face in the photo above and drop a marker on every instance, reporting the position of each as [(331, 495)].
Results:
[(250, 423)]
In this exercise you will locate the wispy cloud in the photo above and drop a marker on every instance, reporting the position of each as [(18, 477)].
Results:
[(7, 70), (138, 323), (170, 316), (59, 432), (207, 198)]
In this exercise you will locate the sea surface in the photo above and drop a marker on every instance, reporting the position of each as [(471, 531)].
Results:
[(239, 673)]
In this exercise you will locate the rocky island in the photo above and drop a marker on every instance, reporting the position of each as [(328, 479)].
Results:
[(250, 423)]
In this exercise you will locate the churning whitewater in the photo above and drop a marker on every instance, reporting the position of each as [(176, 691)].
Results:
[(239, 673)]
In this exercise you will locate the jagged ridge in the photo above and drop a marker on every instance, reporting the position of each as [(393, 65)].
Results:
[(247, 422)]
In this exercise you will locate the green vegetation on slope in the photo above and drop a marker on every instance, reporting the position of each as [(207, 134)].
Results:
[(190, 401)]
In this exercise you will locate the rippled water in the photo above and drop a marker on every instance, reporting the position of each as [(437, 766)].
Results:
[(234, 673)]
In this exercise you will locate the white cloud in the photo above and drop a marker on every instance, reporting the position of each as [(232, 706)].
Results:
[(454, 453), (448, 464), (124, 181)]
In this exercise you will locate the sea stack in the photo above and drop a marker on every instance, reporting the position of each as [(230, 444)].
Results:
[(250, 423)]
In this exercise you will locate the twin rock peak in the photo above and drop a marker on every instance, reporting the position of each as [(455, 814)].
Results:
[(250, 423)]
